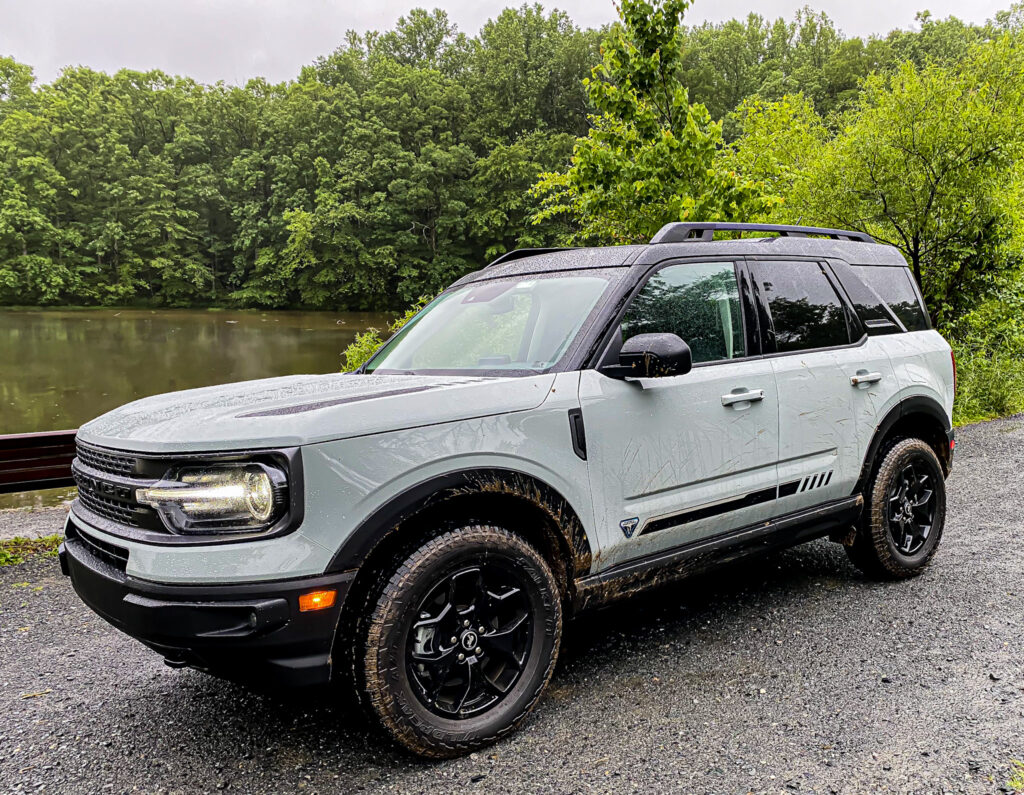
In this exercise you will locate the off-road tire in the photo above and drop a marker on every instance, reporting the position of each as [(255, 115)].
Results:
[(874, 550), (388, 689)]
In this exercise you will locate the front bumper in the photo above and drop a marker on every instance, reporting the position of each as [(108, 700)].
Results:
[(247, 632)]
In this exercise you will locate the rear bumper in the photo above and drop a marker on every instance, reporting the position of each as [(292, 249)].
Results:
[(250, 632)]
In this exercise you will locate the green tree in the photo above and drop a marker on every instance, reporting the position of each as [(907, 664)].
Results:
[(16, 80), (925, 163), (780, 142), (650, 157)]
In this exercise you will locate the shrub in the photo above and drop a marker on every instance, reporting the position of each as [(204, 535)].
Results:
[(370, 341), (989, 345)]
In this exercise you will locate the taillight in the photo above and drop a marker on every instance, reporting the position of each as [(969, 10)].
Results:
[(952, 356)]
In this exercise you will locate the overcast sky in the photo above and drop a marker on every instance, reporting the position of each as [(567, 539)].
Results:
[(233, 40)]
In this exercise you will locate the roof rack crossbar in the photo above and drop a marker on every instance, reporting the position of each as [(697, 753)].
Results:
[(521, 253), (682, 232)]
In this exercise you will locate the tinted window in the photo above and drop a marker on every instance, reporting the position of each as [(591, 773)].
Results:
[(699, 302), (895, 286), (876, 316), (805, 310)]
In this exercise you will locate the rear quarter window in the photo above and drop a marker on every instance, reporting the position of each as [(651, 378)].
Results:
[(895, 286)]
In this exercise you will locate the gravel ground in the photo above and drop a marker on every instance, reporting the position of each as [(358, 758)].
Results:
[(792, 673), (32, 522)]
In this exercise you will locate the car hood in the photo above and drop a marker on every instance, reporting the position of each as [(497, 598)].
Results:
[(305, 409)]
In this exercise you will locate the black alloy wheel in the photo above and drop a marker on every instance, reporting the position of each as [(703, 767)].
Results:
[(461, 640), (904, 512), (911, 506), (470, 641)]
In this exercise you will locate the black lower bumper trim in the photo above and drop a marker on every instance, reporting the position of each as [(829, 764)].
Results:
[(247, 632)]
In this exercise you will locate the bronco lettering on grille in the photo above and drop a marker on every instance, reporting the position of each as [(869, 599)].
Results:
[(102, 488)]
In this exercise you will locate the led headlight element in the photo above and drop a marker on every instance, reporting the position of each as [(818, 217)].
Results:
[(224, 498)]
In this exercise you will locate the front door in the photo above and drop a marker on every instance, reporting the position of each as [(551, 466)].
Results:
[(680, 458)]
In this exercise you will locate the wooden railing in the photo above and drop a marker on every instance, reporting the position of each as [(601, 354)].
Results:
[(30, 461)]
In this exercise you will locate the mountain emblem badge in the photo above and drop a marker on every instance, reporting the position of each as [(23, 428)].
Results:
[(629, 526)]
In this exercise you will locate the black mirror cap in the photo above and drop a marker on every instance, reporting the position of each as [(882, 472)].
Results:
[(652, 356)]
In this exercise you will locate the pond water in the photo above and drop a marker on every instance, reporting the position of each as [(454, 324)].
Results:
[(60, 368)]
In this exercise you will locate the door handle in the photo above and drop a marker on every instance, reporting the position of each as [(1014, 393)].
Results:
[(746, 396), (864, 377)]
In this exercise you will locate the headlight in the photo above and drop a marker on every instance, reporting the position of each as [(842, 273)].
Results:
[(219, 498)]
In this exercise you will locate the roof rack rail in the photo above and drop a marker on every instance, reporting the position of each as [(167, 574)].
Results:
[(681, 232), (520, 253)]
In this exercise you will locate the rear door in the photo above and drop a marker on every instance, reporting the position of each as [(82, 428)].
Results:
[(676, 459), (871, 366), (814, 344)]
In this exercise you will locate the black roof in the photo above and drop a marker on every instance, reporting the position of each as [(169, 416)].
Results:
[(853, 252), (568, 259), (622, 256)]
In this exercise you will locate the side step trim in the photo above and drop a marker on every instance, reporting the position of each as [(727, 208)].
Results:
[(697, 556)]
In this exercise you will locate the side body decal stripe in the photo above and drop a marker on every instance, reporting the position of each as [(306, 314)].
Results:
[(735, 504)]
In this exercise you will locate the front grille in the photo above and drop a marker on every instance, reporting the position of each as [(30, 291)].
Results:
[(104, 461), (115, 511), (107, 480), (110, 554)]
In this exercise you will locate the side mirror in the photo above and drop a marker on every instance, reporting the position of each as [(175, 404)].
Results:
[(651, 356)]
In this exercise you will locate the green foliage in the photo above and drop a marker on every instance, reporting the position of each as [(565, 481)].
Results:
[(389, 168), (781, 142), (405, 158), (650, 156), (727, 63), (369, 342), (928, 160), (16, 550), (1016, 782), (924, 162), (988, 342), (408, 157)]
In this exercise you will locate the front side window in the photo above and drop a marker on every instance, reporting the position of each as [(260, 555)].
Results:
[(699, 302), (805, 311), (513, 326)]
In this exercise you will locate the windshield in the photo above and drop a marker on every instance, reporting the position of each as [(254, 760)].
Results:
[(521, 325)]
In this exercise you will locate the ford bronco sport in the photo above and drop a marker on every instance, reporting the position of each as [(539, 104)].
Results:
[(557, 430)]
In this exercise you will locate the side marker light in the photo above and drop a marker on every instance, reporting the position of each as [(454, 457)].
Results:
[(316, 600)]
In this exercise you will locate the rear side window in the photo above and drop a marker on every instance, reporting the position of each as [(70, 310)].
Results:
[(699, 302), (896, 287), (805, 310)]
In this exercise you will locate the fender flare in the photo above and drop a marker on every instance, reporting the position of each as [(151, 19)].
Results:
[(390, 516), (918, 404)]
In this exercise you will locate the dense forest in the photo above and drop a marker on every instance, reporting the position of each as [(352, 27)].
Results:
[(382, 172), (406, 158)]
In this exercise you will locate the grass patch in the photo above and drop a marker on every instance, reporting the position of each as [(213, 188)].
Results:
[(990, 383), (1016, 782), (18, 550)]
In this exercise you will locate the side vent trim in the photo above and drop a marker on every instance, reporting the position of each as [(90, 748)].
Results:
[(578, 434)]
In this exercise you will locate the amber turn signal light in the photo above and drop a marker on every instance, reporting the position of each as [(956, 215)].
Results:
[(316, 600)]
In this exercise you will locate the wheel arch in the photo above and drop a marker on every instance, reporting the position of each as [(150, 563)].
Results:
[(917, 416), (532, 508)]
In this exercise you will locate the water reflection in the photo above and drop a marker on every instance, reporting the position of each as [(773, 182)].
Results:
[(61, 368)]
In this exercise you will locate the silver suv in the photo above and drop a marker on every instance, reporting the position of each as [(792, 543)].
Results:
[(557, 430)]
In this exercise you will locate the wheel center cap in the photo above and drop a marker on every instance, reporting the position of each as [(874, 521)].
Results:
[(469, 640)]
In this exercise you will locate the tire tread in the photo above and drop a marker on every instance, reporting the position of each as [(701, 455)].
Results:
[(378, 696), (871, 551)]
